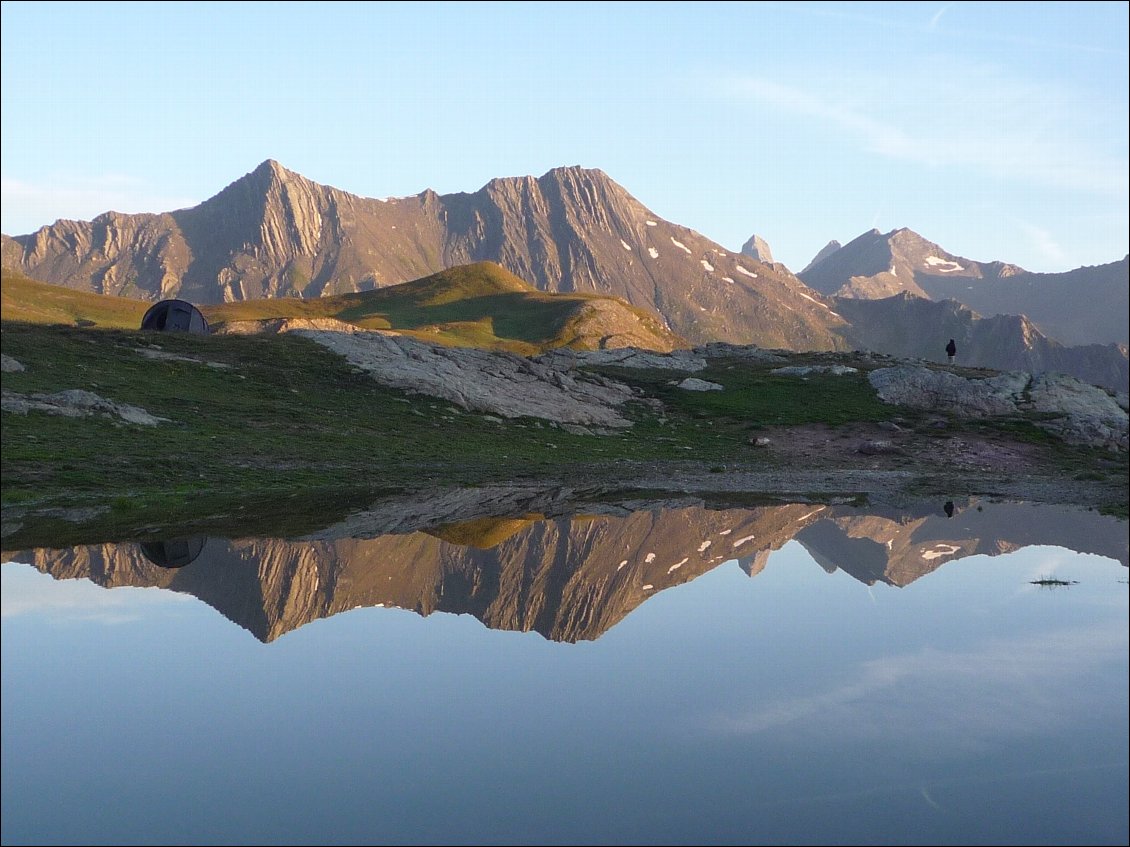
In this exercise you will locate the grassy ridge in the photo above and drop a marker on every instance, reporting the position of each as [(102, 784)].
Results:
[(478, 305), (31, 301)]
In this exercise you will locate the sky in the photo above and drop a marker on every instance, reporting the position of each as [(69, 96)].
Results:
[(998, 131)]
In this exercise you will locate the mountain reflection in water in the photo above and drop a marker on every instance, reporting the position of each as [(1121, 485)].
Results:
[(568, 578)]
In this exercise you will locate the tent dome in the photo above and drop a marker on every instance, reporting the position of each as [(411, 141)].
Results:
[(175, 316)]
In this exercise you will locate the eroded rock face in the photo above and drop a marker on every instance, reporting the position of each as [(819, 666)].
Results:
[(498, 383), (1088, 414)]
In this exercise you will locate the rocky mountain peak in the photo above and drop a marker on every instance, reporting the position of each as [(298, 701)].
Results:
[(757, 248), (271, 167), (825, 251)]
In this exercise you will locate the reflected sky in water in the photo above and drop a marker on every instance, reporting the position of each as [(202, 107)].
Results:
[(796, 705)]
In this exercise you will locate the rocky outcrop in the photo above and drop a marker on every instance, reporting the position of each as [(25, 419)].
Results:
[(1084, 413), (9, 364), (757, 248), (677, 360), (1089, 415), (805, 370), (76, 403), (695, 384), (498, 383)]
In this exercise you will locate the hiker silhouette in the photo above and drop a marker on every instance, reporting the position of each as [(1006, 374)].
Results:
[(951, 350), (948, 508)]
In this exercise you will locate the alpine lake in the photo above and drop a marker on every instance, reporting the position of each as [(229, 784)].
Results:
[(497, 669)]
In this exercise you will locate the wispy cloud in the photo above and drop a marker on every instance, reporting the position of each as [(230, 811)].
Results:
[(1044, 243), (25, 206), (943, 116), (913, 22), (1008, 687)]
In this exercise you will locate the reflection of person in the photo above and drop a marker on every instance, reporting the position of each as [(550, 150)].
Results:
[(951, 350), (948, 508)]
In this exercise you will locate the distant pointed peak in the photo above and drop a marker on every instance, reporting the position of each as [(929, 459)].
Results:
[(758, 248), (905, 234), (826, 251), (576, 170), (270, 166), (271, 171)]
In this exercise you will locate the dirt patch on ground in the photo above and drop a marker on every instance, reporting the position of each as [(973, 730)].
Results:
[(873, 461), (864, 446)]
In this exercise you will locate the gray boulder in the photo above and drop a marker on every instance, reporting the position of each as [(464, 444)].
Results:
[(1085, 414), (492, 382)]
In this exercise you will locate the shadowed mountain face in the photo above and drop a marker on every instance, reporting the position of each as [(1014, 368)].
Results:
[(274, 233), (568, 578), (1089, 305), (913, 327)]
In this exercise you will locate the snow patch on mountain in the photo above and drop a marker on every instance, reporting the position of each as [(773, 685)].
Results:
[(940, 264)]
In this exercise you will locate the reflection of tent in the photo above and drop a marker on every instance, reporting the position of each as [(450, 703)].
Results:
[(175, 316), (174, 553)]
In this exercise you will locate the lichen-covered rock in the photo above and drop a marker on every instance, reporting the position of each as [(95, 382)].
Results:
[(494, 382), (76, 403), (805, 370), (692, 383), (9, 365), (1086, 414), (924, 388), (1090, 415)]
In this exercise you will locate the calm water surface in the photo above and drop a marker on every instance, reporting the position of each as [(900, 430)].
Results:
[(792, 674)]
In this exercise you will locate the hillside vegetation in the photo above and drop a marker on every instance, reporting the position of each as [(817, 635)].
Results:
[(280, 430), (30, 301), (477, 305)]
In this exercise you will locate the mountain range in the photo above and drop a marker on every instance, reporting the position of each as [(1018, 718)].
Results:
[(1089, 305), (273, 233)]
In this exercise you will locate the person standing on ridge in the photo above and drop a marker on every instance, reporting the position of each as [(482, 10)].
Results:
[(951, 350)]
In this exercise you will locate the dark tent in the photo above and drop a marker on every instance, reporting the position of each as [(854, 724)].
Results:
[(175, 316), (175, 552)]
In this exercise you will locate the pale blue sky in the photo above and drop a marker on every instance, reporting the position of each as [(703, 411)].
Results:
[(997, 130)]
